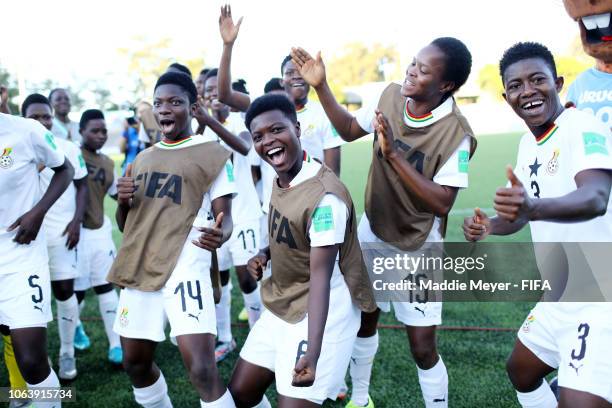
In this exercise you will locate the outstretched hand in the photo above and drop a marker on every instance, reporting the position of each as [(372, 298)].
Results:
[(212, 237), (257, 265), (476, 227), (227, 28), (311, 69), (126, 188), (513, 203)]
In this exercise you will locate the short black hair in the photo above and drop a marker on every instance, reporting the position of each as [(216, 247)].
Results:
[(526, 50), (90, 114), (182, 68), (268, 103), (458, 61), (54, 90), (204, 71), (180, 80), (273, 84), (240, 86), (285, 61), (32, 99), (212, 72)]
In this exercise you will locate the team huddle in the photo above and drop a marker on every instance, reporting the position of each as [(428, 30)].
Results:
[(189, 210)]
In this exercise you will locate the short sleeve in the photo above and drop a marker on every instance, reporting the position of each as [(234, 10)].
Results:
[(367, 113), (143, 136), (591, 145), (224, 184), (331, 138), (46, 150), (77, 161), (328, 223), (454, 172)]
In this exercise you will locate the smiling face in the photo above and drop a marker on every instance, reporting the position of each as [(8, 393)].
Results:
[(42, 113), (94, 134), (533, 92), (173, 111), (295, 86), (211, 96), (424, 76), (276, 140), (60, 101)]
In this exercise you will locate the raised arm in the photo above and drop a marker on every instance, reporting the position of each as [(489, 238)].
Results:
[(240, 143), (313, 72), (229, 33)]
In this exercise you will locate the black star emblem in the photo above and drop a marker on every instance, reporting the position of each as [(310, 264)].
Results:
[(534, 168)]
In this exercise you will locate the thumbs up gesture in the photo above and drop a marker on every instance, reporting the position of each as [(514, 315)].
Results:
[(126, 188), (212, 237), (513, 203), (477, 227)]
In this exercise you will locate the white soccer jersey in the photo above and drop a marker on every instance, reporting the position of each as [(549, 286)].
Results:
[(24, 143), (62, 212), (245, 206), (70, 131), (547, 168), (317, 133)]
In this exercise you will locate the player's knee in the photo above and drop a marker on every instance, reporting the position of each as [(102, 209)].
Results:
[(241, 396), (135, 367), (247, 283), (519, 380), (33, 367), (203, 372), (425, 355)]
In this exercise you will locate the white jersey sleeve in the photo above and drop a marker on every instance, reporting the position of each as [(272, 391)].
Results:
[(454, 172), (73, 153), (224, 184), (367, 113), (45, 149), (328, 222), (331, 138), (591, 145)]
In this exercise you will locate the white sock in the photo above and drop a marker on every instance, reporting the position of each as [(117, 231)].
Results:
[(226, 401), (360, 368), (542, 397), (264, 403), (67, 316), (50, 381), (155, 395), (223, 310), (108, 310), (252, 302), (434, 385)]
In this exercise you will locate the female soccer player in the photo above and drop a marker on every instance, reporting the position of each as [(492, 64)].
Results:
[(420, 161), (166, 197)]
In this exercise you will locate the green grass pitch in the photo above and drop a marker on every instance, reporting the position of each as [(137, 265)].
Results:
[(475, 359)]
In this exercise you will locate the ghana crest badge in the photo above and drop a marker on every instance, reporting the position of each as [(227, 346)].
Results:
[(6, 161), (553, 164)]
